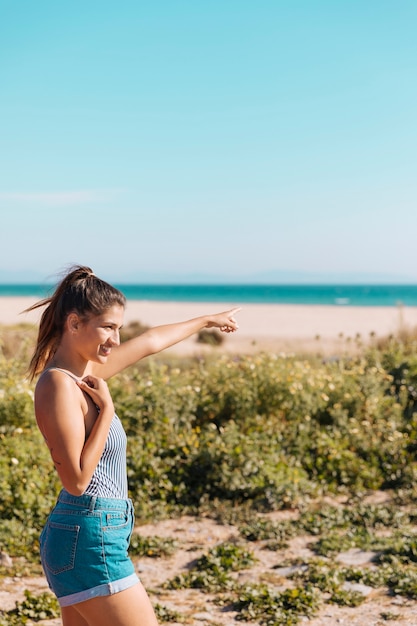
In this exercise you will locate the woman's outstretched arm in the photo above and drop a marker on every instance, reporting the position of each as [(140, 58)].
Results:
[(159, 338)]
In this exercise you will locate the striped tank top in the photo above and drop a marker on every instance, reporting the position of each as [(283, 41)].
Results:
[(109, 479)]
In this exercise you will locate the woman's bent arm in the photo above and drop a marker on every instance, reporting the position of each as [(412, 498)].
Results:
[(60, 412)]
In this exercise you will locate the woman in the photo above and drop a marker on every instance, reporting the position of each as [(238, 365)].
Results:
[(84, 543)]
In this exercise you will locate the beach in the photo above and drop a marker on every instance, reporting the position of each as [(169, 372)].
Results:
[(262, 327)]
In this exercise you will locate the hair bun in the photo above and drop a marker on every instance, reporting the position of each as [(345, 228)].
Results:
[(84, 272)]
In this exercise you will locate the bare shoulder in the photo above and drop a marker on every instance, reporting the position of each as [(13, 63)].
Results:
[(54, 381), (54, 391)]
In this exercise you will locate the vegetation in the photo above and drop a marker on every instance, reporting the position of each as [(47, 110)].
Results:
[(212, 570), (32, 609), (237, 438)]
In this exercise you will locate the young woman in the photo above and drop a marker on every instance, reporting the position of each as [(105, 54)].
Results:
[(85, 540)]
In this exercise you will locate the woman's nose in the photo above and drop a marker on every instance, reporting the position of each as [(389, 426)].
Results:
[(115, 338)]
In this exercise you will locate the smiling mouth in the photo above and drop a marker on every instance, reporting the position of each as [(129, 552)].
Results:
[(105, 351)]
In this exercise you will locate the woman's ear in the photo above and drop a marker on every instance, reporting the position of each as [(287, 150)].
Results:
[(73, 323)]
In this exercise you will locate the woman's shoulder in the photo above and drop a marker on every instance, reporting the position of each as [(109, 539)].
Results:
[(55, 375), (54, 380)]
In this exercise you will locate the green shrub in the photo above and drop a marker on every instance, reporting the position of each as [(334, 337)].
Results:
[(277, 533), (264, 431), (33, 609), (258, 602), (210, 337), (212, 570), (28, 482), (154, 547)]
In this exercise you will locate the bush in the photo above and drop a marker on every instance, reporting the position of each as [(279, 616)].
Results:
[(32, 609), (267, 430)]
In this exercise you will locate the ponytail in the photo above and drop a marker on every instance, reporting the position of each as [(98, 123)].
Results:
[(80, 291)]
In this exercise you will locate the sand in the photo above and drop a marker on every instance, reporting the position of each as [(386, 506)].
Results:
[(281, 327)]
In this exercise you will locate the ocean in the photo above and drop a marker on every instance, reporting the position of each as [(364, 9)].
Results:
[(341, 295)]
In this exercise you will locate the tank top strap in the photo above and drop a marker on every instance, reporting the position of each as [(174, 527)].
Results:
[(59, 369)]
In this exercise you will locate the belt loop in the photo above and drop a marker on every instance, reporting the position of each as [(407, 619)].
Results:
[(93, 503)]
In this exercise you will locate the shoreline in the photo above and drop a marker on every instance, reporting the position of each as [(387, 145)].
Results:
[(274, 327)]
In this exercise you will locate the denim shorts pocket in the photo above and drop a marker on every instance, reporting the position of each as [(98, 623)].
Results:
[(59, 545), (115, 520)]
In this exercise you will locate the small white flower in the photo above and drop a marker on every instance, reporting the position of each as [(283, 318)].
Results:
[(14, 461)]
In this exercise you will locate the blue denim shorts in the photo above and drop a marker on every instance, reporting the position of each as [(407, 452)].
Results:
[(84, 547)]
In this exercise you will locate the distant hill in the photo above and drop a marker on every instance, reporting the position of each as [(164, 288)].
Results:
[(289, 277)]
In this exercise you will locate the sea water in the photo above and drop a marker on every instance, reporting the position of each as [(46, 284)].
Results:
[(340, 295)]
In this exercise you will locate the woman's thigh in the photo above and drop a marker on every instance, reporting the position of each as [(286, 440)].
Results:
[(131, 607), (71, 617)]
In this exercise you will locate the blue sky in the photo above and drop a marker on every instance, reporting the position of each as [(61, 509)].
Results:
[(188, 140)]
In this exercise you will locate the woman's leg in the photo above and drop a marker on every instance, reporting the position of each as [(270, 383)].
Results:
[(131, 607), (71, 617)]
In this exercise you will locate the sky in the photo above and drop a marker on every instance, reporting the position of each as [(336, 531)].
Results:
[(217, 140)]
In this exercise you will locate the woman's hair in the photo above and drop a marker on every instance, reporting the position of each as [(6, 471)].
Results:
[(80, 291)]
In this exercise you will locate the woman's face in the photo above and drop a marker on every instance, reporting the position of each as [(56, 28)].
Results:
[(97, 335)]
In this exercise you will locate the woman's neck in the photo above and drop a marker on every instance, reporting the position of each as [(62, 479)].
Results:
[(64, 361)]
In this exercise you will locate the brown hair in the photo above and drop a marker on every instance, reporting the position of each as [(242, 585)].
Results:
[(80, 291)]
